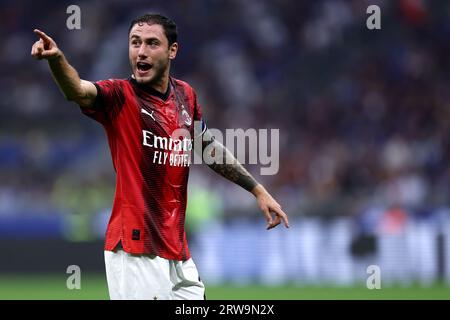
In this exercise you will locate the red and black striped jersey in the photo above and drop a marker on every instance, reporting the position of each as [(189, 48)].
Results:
[(151, 163)]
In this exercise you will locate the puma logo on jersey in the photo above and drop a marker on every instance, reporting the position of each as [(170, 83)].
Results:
[(148, 113)]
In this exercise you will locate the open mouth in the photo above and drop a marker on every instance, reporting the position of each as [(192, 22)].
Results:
[(143, 66)]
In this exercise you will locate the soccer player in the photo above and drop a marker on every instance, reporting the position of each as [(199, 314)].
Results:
[(146, 252)]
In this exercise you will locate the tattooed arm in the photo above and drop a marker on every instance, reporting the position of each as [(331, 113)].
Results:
[(220, 159)]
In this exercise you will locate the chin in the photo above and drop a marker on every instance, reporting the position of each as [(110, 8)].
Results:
[(143, 80)]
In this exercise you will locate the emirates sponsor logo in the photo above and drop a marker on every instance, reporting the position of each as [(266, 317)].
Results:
[(169, 150)]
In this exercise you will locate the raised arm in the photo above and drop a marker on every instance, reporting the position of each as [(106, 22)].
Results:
[(229, 167), (74, 89)]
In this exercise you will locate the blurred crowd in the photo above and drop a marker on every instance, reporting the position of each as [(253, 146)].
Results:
[(364, 115)]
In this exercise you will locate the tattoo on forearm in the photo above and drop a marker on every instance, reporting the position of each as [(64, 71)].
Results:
[(228, 166)]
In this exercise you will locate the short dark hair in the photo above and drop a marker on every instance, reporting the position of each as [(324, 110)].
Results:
[(170, 28)]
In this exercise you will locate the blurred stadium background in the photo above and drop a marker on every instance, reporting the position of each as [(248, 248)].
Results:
[(364, 120)]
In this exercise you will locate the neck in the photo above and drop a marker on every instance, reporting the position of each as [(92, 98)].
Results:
[(162, 85)]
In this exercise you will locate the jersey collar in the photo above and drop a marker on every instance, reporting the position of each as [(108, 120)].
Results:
[(151, 91)]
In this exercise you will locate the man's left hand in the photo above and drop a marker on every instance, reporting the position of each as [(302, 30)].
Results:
[(268, 205)]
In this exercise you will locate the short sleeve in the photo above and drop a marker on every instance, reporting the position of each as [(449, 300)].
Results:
[(108, 103)]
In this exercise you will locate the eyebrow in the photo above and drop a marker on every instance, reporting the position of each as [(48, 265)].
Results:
[(134, 36)]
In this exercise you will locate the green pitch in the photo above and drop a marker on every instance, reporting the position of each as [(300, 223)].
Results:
[(93, 287)]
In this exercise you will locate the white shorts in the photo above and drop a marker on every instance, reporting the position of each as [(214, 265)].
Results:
[(149, 277)]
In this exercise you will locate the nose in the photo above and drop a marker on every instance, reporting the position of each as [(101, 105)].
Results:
[(141, 52)]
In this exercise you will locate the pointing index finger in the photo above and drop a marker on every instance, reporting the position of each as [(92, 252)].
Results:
[(42, 35)]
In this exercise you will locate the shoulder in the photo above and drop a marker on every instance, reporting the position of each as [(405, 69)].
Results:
[(112, 82), (186, 87), (116, 86)]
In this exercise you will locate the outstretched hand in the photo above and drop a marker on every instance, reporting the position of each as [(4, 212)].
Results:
[(268, 205), (45, 47)]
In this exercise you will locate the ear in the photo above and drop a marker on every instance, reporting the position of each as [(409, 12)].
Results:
[(173, 49)]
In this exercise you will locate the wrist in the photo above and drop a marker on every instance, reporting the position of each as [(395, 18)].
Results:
[(258, 190), (58, 56)]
